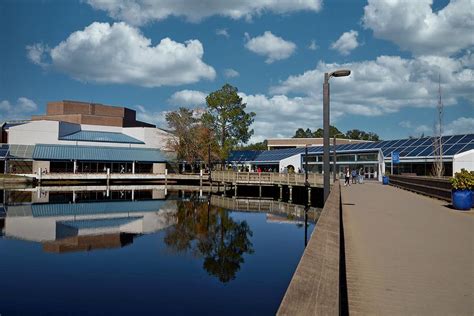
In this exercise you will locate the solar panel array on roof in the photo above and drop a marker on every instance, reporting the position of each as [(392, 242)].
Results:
[(99, 136), (413, 148), (244, 155), (423, 147)]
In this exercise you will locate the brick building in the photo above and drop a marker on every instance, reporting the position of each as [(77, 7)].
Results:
[(90, 114)]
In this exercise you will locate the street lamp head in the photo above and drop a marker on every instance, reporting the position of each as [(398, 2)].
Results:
[(340, 73)]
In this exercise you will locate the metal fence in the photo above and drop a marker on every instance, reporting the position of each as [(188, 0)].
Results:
[(435, 187), (267, 178)]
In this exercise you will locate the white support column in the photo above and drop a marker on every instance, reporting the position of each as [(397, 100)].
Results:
[(75, 166), (133, 167)]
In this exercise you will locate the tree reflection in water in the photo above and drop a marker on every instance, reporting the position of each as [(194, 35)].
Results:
[(209, 232)]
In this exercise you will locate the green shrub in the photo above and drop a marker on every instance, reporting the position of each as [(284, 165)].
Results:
[(463, 180)]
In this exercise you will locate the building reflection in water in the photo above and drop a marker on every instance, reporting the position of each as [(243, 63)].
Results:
[(69, 220), (65, 221)]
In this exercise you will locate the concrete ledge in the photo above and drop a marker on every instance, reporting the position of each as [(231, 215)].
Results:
[(314, 288)]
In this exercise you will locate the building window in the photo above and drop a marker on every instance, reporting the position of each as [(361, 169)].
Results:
[(367, 157)]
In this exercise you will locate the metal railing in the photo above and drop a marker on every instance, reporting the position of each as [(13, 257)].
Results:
[(435, 187), (297, 179), (264, 205)]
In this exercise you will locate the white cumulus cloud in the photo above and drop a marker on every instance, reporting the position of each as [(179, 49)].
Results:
[(188, 98), (139, 12), (386, 84), (346, 43), (461, 125), (37, 53), (231, 73), (280, 115), (222, 32), (155, 117), (312, 45), (21, 109), (413, 25), (119, 53), (271, 46)]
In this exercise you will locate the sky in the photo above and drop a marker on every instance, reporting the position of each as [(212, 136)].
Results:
[(157, 55)]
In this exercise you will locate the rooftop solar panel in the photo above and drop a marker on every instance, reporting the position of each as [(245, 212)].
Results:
[(428, 151), (342, 147), (454, 149), (420, 141), (447, 140), (406, 150), (467, 139), (387, 143), (416, 151), (365, 145), (398, 143), (357, 146), (416, 147), (373, 145)]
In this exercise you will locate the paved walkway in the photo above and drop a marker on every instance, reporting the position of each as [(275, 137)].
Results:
[(406, 254)]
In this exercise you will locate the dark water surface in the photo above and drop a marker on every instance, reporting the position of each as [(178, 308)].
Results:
[(167, 255)]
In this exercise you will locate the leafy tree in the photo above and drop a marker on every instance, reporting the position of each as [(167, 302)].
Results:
[(205, 138), (358, 134), (210, 233), (333, 130), (226, 116), (192, 139), (225, 246), (182, 122), (300, 133), (256, 146)]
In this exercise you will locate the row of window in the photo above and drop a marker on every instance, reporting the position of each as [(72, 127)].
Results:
[(343, 157)]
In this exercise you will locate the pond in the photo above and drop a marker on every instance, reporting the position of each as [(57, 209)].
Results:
[(147, 251)]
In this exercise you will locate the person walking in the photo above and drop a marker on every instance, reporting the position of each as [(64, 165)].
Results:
[(347, 176), (354, 176), (361, 175)]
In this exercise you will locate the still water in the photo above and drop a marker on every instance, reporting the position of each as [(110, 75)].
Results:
[(148, 251)]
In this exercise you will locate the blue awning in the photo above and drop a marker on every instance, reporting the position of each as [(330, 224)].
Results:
[(104, 137), (96, 153), (62, 209)]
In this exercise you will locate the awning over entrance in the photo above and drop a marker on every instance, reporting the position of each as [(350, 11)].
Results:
[(97, 153)]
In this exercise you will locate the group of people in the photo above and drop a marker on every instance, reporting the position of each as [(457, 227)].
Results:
[(251, 169), (354, 176)]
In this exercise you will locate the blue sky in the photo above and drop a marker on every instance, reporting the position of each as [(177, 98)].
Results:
[(155, 56)]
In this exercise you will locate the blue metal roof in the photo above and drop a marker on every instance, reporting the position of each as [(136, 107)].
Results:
[(102, 222), (412, 148), (63, 209), (244, 155), (103, 137), (96, 153)]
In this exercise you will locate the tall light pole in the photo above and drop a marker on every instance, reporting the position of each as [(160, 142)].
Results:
[(327, 76), (334, 155)]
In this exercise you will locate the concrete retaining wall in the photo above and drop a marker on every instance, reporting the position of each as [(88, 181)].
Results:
[(314, 288)]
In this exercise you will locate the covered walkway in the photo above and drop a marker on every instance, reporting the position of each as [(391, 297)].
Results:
[(406, 254)]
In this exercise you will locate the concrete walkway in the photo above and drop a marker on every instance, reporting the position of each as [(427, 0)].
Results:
[(406, 254)]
